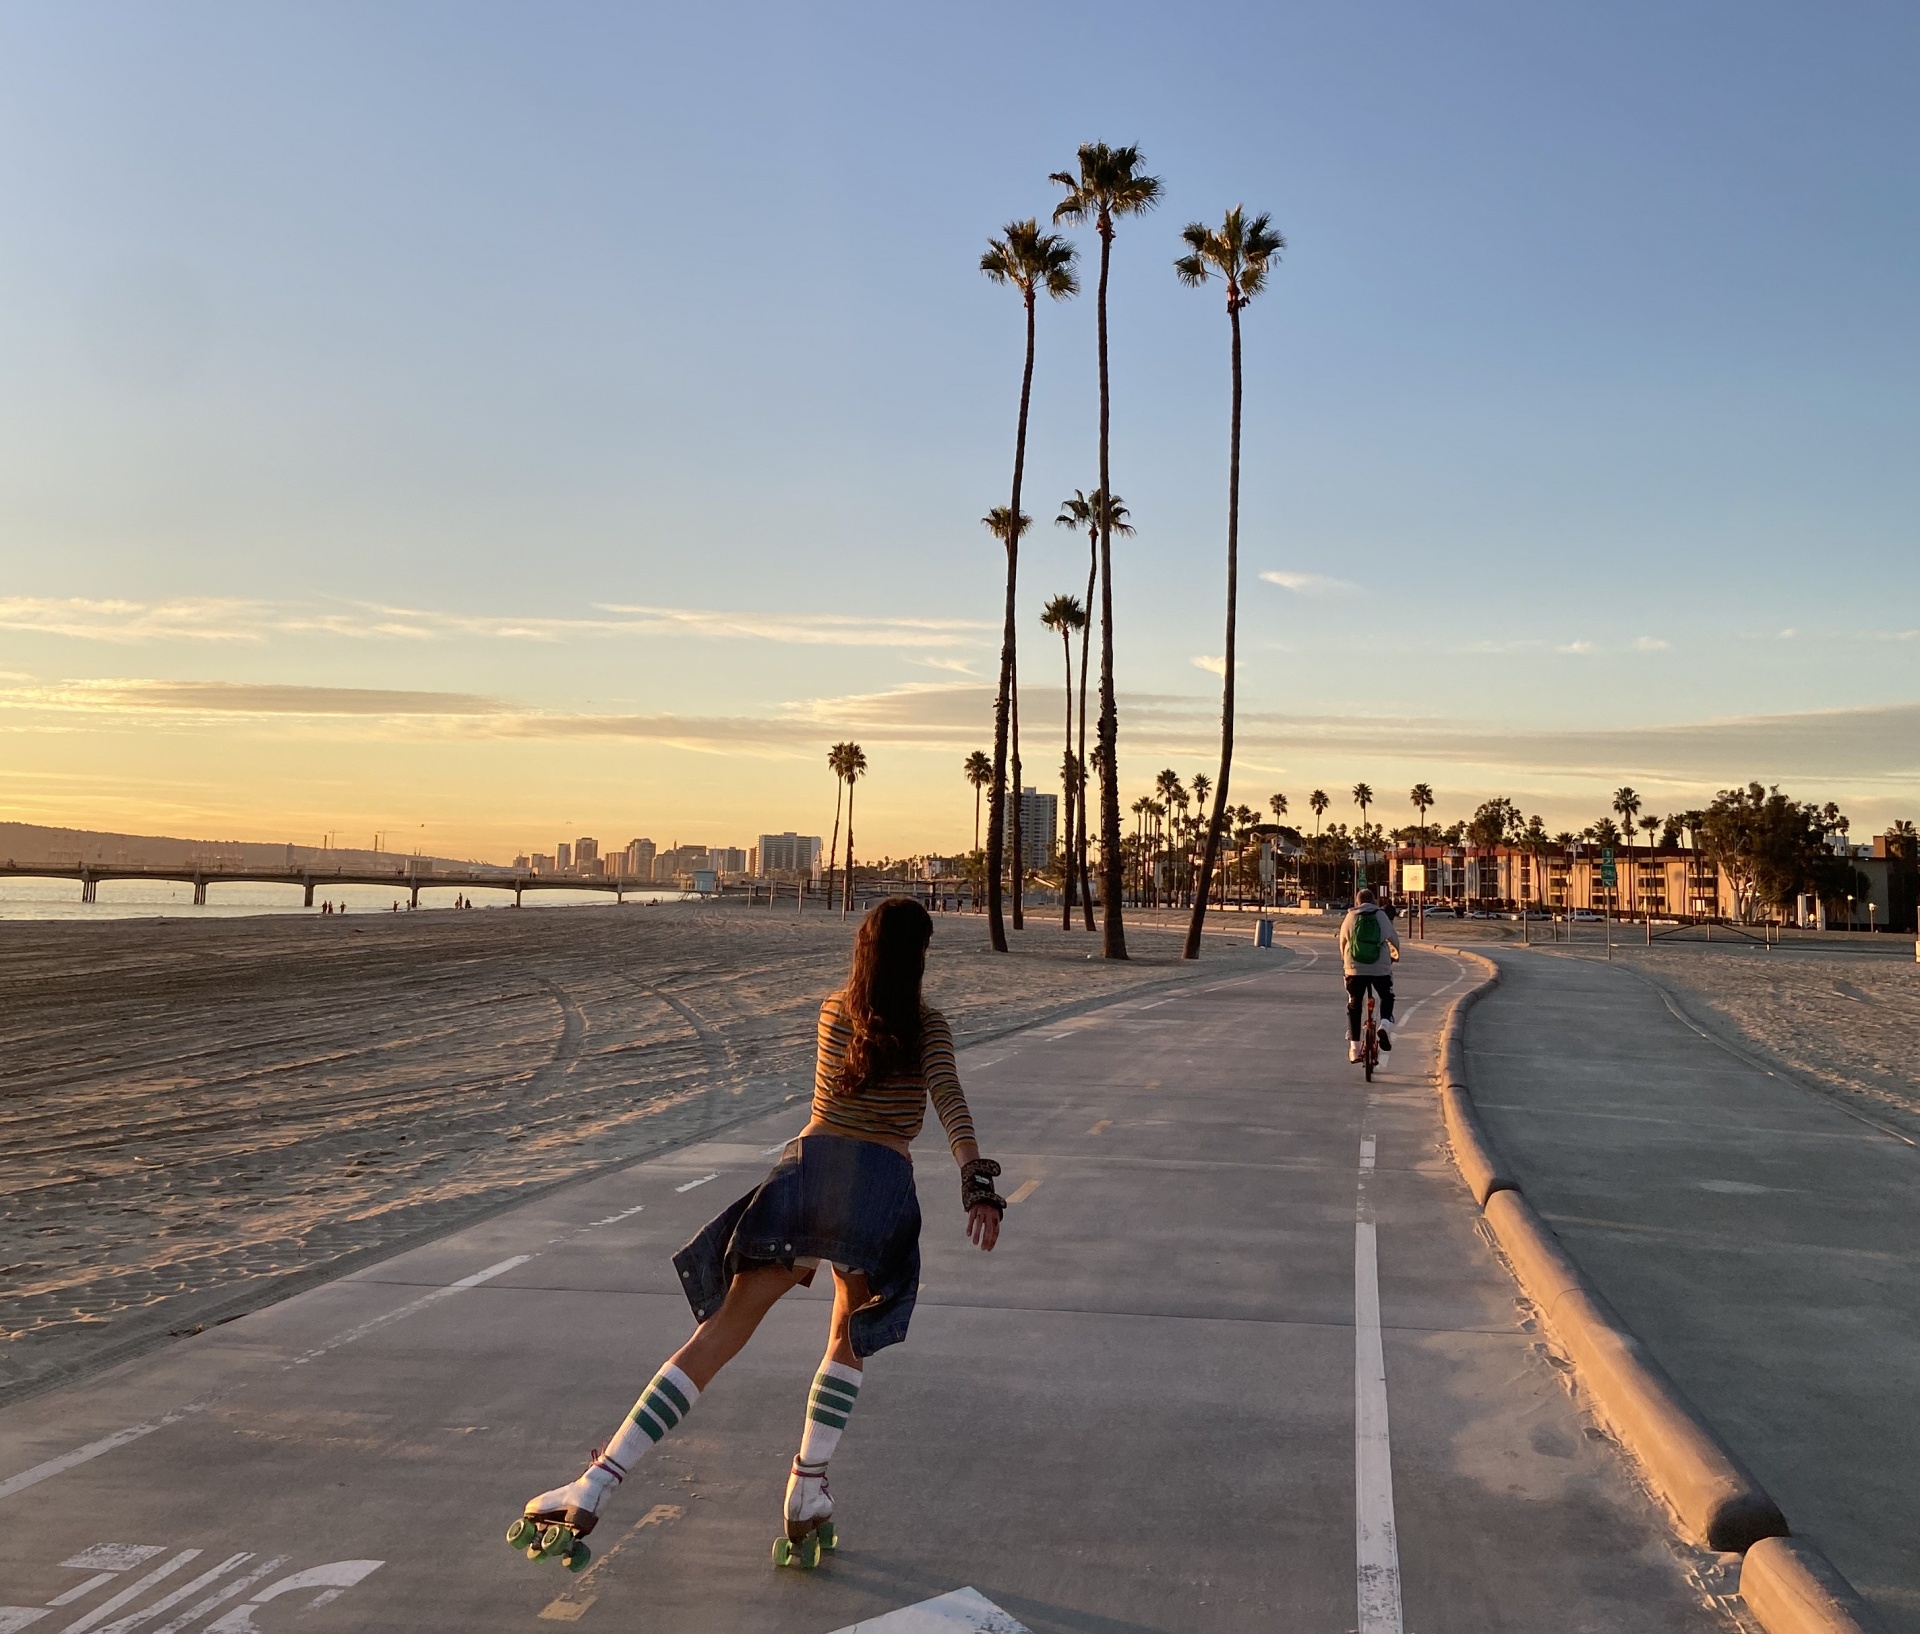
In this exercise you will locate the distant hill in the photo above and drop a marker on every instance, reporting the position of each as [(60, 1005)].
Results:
[(31, 845)]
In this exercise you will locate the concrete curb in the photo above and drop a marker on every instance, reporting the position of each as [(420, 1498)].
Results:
[(1787, 1583), (1793, 1589), (1477, 1159), (1715, 1496)]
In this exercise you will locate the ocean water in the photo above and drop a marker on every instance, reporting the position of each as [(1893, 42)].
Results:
[(147, 899)]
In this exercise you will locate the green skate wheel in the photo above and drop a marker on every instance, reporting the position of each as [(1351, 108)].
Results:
[(829, 1538), (577, 1558), (782, 1552), (807, 1556), (521, 1533), (553, 1541)]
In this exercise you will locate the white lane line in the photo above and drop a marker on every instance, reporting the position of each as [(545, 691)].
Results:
[(186, 1591), (132, 1591), (700, 1182), (1376, 1548), (219, 1597), (411, 1307)]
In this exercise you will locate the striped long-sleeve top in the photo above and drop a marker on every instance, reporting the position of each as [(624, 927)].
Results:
[(897, 1105)]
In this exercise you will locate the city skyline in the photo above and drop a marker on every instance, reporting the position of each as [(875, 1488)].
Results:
[(391, 471)]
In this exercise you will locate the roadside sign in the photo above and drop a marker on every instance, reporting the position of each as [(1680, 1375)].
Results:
[(1609, 877), (1413, 876)]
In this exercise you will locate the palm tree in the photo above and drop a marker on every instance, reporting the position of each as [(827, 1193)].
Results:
[(1318, 801), (1627, 804), (1362, 797), (1238, 252), (1006, 724), (1030, 261), (1063, 615), (1652, 824), (1277, 804), (1420, 797), (1140, 808), (1093, 512), (979, 772), (1172, 795), (855, 763), (1109, 184), (837, 764)]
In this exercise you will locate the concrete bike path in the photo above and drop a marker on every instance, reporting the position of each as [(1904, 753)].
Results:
[(1241, 1362), (1761, 1241)]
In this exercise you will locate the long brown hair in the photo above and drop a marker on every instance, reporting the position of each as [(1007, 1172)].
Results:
[(881, 1000)]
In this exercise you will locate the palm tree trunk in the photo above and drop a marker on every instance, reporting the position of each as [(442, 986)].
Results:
[(846, 889), (976, 817), (1086, 644), (1115, 932), (1016, 838), (1066, 855), (1207, 858), (997, 813), (833, 851)]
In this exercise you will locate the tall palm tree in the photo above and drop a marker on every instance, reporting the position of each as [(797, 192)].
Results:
[(1277, 804), (1092, 512), (1627, 804), (979, 772), (1362, 797), (1029, 261), (837, 764), (1318, 801), (1420, 797), (1109, 184), (1063, 615), (1004, 813), (1651, 825), (1239, 253), (855, 763)]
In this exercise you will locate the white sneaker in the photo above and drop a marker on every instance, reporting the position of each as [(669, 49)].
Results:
[(1386, 1035), (1353, 1049)]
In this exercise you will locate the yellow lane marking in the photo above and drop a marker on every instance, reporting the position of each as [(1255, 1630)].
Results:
[(1104, 1123), (567, 1609), (1023, 1193)]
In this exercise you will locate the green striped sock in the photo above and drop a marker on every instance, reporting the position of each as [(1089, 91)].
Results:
[(662, 1405), (835, 1389)]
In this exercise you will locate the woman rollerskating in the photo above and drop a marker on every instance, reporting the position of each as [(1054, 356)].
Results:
[(841, 1195)]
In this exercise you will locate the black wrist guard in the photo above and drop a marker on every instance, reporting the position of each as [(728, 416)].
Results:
[(976, 1185)]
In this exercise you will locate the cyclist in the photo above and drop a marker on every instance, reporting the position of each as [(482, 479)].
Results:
[(1368, 947)]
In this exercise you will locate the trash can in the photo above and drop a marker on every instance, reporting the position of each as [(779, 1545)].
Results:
[(1263, 933)]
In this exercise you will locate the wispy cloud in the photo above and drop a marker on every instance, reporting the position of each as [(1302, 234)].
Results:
[(1650, 643), (241, 698), (1309, 584), (1212, 665), (1577, 647), (231, 619)]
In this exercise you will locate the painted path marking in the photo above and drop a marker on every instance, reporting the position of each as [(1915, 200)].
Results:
[(1376, 1548), (964, 1611), (332, 1580), (572, 1606), (700, 1182)]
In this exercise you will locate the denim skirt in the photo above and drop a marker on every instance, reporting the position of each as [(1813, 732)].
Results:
[(850, 1202)]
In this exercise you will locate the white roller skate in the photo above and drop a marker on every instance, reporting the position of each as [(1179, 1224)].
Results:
[(809, 1518), (556, 1523)]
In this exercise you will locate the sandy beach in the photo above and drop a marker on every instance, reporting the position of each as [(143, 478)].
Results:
[(197, 1118)]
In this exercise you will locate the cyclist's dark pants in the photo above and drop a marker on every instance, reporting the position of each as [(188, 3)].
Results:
[(1357, 997)]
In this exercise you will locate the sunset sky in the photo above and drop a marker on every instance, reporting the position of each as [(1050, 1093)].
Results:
[(487, 424)]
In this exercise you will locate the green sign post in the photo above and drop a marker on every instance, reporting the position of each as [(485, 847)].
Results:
[(1609, 877)]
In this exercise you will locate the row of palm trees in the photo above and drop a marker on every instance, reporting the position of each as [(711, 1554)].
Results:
[(1107, 185)]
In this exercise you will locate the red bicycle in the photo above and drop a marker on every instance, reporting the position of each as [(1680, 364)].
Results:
[(1369, 1040)]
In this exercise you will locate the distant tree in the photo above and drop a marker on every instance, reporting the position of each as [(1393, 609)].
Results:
[(1003, 813), (979, 771), (1627, 805), (1064, 615), (1108, 184), (1277, 804), (837, 764), (856, 768), (1098, 515)]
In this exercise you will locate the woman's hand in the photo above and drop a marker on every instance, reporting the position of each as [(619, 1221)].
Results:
[(983, 1226)]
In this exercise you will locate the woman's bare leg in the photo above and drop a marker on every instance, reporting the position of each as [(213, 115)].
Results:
[(850, 1292), (835, 1389), (720, 1338)]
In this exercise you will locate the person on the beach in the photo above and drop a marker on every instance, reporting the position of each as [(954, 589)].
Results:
[(843, 1195), (1368, 946)]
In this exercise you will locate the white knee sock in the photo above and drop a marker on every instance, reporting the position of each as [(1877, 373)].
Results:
[(835, 1389), (662, 1405)]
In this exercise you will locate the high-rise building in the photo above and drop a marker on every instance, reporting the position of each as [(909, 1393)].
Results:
[(788, 856), (563, 858), (727, 859), (1039, 826), (586, 852), (542, 864), (639, 859)]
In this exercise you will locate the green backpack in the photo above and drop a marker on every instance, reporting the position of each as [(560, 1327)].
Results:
[(1365, 941)]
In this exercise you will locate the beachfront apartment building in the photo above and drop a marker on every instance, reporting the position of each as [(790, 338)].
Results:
[(637, 860), (586, 852), (678, 864), (1039, 826), (727, 860), (787, 856), (563, 858)]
